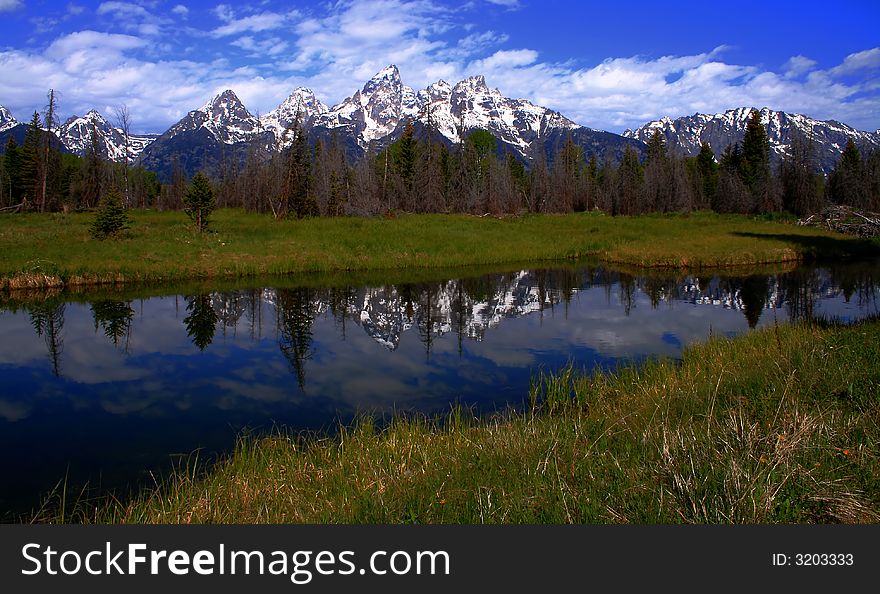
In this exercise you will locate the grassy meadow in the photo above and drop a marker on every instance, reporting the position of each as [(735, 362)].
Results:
[(780, 425), (57, 250)]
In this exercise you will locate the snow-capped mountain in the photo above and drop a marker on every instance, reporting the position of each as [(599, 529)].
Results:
[(385, 103), (302, 105), (76, 135), (374, 111), (223, 130), (7, 121), (220, 133), (387, 313), (225, 117), (685, 134)]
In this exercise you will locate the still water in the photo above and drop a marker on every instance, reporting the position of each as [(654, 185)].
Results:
[(106, 388)]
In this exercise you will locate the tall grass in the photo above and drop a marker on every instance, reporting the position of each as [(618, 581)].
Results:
[(780, 425), (46, 250)]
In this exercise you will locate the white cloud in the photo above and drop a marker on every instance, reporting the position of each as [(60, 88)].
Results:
[(256, 23), (180, 10), (10, 5), (74, 9), (123, 9), (506, 59), (798, 65), (224, 12), (335, 48), (860, 61)]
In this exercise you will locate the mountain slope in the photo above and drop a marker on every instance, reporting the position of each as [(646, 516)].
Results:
[(685, 134), (224, 131), (76, 134), (301, 106), (7, 121), (217, 135)]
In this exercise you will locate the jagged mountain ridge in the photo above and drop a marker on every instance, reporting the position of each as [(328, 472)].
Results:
[(7, 120), (76, 135), (370, 118), (386, 313), (685, 134)]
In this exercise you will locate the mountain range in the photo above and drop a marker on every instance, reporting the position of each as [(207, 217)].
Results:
[(223, 131), (685, 134)]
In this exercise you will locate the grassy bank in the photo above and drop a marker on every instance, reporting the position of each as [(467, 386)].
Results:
[(781, 425), (46, 250)]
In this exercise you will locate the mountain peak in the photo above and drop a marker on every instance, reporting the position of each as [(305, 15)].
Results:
[(686, 134), (7, 120), (390, 72), (223, 100), (474, 83)]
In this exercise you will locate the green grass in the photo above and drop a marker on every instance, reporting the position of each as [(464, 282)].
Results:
[(780, 425), (47, 250)]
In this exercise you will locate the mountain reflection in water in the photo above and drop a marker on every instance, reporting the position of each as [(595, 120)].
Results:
[(106, 386)]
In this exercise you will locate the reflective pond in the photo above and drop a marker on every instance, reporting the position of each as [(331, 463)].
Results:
[(106, 387)]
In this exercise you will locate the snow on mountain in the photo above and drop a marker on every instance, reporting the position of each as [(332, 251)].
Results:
[(374, 111), (386, 313), (76, 135), (7, 120), (515, 121), (384, 102), (685, 134), (302, 104), (225, 117)]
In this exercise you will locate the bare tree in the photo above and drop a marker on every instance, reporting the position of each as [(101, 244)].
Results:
[(51, 110), (123, 122)]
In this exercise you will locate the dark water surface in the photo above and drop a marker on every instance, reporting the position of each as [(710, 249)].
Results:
[(106, 387)]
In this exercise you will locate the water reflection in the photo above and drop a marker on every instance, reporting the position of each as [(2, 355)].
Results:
[(105, 387)]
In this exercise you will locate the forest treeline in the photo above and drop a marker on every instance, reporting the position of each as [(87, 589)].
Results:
[(420, 173)]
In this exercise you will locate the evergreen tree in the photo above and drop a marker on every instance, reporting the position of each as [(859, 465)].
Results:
[(405, 156), (707, 169), (201, 323), (629, 197), (295, 318), (755, 166), (29, 169), (801, 184), (12, 179), (114, 317), (111, 218), (47, 318), (298, 198), (92, 178), (656, 146), (846, 184), (199, 201)]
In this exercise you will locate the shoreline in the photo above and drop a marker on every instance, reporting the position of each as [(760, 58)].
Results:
[(54, 252)]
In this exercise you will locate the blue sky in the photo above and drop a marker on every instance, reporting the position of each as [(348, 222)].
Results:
[(607, 65)]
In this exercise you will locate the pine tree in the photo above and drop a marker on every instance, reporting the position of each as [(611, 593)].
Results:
[(12, 182), (755, 167), (111, 218), (656, 146), (405, 156), (29, 169), (847, 184), (798, 177), (198, 201), (92, 176), (707, 169), (201, 323)]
